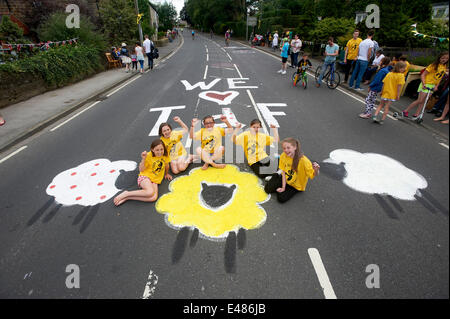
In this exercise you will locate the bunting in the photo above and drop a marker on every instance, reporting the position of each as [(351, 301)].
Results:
[(41, 45), (421, 35)]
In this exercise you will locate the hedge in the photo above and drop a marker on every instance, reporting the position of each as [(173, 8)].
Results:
[(58, 66)]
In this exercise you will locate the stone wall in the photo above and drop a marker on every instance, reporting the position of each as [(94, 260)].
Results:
[(18, 8), (14, 89)]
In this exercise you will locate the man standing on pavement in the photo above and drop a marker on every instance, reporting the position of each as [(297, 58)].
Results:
[(364, 54), (331, 51), (296, 46), (148, 45), (351, 53)]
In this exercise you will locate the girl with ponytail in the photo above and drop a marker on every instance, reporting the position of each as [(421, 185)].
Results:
[(295, 168)]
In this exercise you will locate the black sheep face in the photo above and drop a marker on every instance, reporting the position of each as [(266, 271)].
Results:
[(214, 197)]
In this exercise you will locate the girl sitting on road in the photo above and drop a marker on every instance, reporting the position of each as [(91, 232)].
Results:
[(179, 159), (431, 78), (253, 142), (295, 168), (153, 167), (392, 87), (375, 87), (211, 137)]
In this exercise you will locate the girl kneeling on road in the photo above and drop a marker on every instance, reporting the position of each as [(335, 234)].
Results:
[(253, 142), (153, 167), (295, 168), (179, 159)]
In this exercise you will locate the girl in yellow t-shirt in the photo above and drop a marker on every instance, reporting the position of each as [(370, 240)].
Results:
[(253, 142), (179, 159), (295, 168), (392, 87), (431, 78), (153, 167), (211, 137)]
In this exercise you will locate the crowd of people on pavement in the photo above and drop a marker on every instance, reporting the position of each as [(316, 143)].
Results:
[(131, 58)]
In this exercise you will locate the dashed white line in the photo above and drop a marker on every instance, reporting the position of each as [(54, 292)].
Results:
[(238, 71), (321, 273), (206, 72), (229, 57), (444, 145), (92, 105), (207, 57), (13, 153), (257, 111)]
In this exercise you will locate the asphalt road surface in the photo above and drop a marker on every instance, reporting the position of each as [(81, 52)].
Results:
[(332, 241)]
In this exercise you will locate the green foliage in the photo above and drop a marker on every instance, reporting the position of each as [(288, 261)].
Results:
[(332, 27), (58, 66), (55, 29), (167, 16), (423, 60), (119, 20), (9, 31)]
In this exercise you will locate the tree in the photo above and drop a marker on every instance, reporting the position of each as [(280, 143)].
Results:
[(119, 20), (167, 16), (9, 31)]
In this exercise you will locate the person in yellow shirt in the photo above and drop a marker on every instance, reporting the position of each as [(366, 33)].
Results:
[(351, 53), (392, 87), (431, 78), (296, 170), (154, 166), (179, 159), (254, 142), (404, 58), (211, 136)]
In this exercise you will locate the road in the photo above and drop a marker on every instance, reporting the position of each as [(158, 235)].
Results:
[(332, 235)]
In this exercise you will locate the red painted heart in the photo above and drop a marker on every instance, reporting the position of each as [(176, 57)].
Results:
[(218, 96)]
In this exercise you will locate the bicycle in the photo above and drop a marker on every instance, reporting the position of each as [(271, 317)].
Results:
[(227, 42), (297, 76), (332, 78)]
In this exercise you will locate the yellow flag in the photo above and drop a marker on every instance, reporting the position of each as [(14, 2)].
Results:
[(139, 17)]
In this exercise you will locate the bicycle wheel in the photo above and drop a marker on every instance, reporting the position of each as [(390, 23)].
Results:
[(305, 81), (333, 81), (295, 78), (317, 74)]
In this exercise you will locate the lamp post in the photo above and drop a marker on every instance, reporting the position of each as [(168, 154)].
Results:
[(141, 37)]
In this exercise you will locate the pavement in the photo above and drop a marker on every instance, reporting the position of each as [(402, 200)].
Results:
[(27, 118), (57, 210)]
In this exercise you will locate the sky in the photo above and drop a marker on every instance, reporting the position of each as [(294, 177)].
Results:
[(178, 4)]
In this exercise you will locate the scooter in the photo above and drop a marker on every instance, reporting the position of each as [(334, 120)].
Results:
[(418, 119)]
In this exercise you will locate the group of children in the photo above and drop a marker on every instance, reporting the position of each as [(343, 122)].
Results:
[(390, 79), (167, 152)]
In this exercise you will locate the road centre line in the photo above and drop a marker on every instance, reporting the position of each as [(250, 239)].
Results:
[(207, 57), (238, 71), (321, 273), (257, 111), (121, 87), (229, 57), (92, 105), (206, 72), (13, 153)]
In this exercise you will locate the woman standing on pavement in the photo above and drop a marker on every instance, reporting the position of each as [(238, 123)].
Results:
[(284, 56), (296, 46), (140, 55)]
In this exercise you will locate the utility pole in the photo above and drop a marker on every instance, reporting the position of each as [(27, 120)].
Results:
[(141, 37)]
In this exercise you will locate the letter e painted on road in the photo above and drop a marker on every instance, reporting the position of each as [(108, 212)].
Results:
[(233, 81), (373, 280), (73, 280)]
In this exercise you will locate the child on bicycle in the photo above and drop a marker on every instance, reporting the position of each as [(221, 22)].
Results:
[(304, 62), (392, 87)]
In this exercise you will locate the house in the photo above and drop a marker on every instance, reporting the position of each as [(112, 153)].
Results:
[(17, 11), (154, 19), (440, 11)]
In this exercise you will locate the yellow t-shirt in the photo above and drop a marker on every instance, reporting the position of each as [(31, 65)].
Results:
[(353, 46), (173, 145), (434, 76), (155, 167), (210, 139), (254, 145), (298, 179), (407, 68), (391, 81)]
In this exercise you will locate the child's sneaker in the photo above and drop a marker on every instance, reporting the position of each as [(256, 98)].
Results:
[(405, 114), (280, 71), (374, 118), (364, 115), (284, 72)]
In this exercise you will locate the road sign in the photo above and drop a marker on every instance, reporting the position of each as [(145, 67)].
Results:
[(252, 21)]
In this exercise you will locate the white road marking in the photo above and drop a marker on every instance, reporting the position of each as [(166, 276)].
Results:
[(206, 72), (150, 286), (444, 145), (321, 273), (238, 71), (188, 142), (257, 111), (13, 153), (121, 87), (56, 127), (229, 57), (207, 57)]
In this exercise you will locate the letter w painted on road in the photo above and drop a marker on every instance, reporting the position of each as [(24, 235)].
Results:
[(201, 85)]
